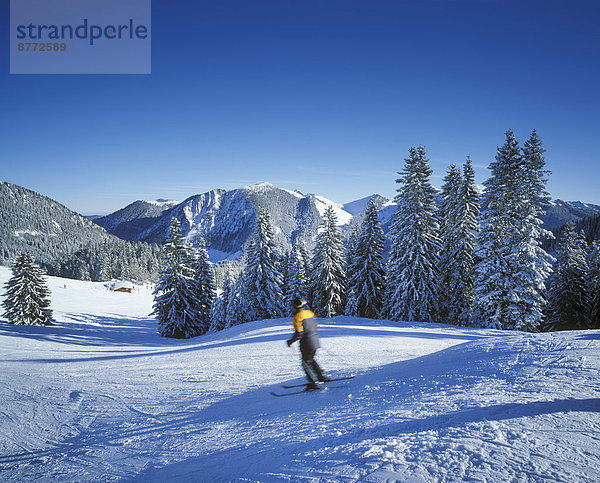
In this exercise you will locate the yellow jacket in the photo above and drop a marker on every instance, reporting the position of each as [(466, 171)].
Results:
[(299, 317)]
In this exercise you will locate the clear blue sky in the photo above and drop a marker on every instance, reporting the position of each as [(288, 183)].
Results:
[(323, 96)]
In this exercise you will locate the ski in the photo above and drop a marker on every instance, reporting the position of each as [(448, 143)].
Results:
[(293, 393), (292, 386)]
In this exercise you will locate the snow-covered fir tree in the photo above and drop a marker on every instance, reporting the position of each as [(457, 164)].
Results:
[(236, 310), (568, 304), (175, 297), (297, 278), (494, 280), (351, 267), (366, 274), (458, 234), (351, 247), (305, 258), (447, 214), (412, 270), (328, 276), (531, 264), (286, 267), (204, 285), (219, 316), (512, 268), (263, 296), (536, 174), (27, 297), (593, 283)]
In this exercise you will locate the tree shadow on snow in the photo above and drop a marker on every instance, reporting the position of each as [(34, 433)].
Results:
[(198, 345), (595, 335), (91, 330), (326, 331)]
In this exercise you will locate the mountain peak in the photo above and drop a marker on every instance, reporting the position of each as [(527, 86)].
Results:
[(264, 186)]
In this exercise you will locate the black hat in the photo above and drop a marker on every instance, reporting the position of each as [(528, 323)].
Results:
[(298, 303)]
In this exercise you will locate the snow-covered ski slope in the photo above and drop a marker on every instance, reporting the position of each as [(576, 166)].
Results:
[(101, 397)]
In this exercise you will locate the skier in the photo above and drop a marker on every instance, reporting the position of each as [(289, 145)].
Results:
[(305, 329)]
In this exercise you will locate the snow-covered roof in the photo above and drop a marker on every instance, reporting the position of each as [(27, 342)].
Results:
[(122, 284)]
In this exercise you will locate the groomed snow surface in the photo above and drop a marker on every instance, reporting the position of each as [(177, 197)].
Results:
[(101, 397)]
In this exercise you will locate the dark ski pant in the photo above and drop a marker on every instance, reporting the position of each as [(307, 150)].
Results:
[(310, 366)]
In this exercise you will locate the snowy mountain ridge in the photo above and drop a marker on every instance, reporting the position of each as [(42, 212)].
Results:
[(225, 219), (41, 226), (101, 396)]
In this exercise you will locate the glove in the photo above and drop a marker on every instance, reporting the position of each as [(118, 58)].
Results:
[(295, 337)]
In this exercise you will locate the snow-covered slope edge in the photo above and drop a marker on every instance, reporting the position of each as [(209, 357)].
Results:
[(102, 397)]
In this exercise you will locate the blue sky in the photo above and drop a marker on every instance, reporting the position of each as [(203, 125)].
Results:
[(323, 96)]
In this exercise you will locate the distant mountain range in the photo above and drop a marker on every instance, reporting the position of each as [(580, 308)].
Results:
[(225, 219)]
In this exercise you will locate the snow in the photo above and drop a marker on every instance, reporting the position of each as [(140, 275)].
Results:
[(322, 203), (260, 187), (20, 233), (295, 193), (215, 255), (101, 397), (357, 208), (163, 203)]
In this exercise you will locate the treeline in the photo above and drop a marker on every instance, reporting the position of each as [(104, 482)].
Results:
[(590, 226), (472, 261), (108, 260)]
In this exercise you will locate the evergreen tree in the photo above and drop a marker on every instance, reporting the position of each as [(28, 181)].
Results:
[(493, 272), (593, 283), (236, 311), (367, 276), (412, 271), (305, 260), (286, 267), (535, 174), (328, 277), (351, 267), (27, 297), (204, 286), (531, 264), (448, 214), (568, 306), (175, 298), (297, 276), (219, 317), (459, 233), (262, 276), (351, 249), (512, 267)]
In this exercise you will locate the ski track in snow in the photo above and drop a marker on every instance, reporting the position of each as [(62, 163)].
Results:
[(101, 397)]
